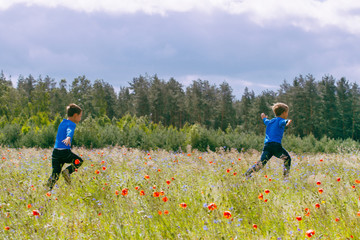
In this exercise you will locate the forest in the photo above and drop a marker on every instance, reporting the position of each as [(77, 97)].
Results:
[(327, 108)]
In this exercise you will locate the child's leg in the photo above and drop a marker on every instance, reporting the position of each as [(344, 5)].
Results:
[(284, 155), (265, 156), (74, 160), (57, 165)]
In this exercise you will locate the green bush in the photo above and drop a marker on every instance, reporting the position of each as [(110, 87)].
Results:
[(10, 135), (134, 132)]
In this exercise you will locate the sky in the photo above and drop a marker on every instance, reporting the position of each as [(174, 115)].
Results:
[(247, 43)]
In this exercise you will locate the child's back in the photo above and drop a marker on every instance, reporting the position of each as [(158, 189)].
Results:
[(274, 129)]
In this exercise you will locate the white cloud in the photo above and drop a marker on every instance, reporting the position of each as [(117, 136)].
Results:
[(216, 79), (307, 14)]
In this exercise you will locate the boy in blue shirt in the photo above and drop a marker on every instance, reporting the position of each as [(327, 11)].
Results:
[(273, 136), (62, 150)]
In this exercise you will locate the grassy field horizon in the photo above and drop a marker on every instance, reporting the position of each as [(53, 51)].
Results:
[(122, 193)]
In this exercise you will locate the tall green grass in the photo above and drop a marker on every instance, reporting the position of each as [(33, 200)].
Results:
[(90, 208)]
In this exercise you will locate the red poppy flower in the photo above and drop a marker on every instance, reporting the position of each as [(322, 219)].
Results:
[(102, 162), (353, 186), (310, 233), (172, 178), (168, 182), (358, 213), (156, 194), (235, 173), (124, 192), (6, 228), (338, 179), (269, 179), (317, 205), (166, 212), (307, 212), (267, 191), (261, 196), (321, 160), (77, 161), (255, 226), (357, 181), (162, 193), (36, 212), (165, 199), (103, 168), (212, 206), (142, 193), (299, 218), (318, 183), (227, 170), (48, 194), (321, 190), (265, 176), (146, 177), (337, 219), (116, 192), (265, 200), (29, 205), (227, 214), (97, 171), (159, 212), (136, 188), (183, 205)]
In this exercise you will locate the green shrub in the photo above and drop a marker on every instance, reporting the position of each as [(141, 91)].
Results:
[(10, 135), (134, 132)]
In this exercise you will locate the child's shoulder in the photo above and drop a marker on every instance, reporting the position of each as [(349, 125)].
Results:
[(67, 122)]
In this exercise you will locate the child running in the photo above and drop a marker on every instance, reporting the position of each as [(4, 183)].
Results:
[(62, 151), (273, 136)]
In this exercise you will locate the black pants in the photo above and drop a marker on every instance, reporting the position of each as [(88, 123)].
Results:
[(272, 149), (59, 158)]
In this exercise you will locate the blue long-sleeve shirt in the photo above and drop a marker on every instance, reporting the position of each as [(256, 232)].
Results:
[(65, 129), (274, 129)]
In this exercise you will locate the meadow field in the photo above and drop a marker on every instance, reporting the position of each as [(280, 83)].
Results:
[(121, 193)]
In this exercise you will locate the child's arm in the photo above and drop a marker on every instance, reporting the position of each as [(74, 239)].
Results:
[(69, 134), (288, 122), (67, 141), (264, 118)]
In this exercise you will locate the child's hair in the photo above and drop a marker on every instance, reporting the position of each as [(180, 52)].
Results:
[(279, 108), (72, 109)]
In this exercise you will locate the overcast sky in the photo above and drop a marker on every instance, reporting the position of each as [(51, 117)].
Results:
[(254, 43)]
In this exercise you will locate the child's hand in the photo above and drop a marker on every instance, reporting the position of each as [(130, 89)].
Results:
[(288, 122), (263, 116), (67, 141)]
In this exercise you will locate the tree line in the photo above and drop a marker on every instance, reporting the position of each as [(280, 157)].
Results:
[(323, 108)]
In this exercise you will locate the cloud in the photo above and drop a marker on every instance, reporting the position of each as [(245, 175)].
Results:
[(243, 45), (309, 15), (236, 83)]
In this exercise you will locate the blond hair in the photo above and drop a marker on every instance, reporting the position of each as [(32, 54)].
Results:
[(279, 108)]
